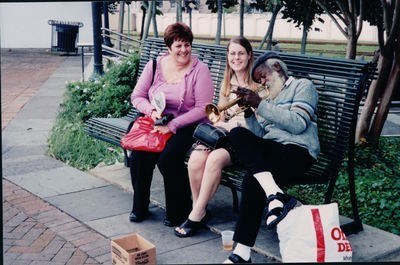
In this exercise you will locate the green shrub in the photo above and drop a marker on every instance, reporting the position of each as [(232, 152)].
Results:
[(113, 98), (377, 180), (77, 98), (70, 144), (108, 96)]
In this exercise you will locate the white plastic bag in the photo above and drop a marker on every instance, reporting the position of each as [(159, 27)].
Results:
[(311, 233)]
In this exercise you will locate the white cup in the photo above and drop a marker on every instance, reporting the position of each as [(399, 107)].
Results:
[(227, 239)]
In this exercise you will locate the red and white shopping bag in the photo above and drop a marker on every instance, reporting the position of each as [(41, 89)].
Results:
[(311, 233)]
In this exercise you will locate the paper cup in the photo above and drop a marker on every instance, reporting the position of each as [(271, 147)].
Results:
[(227, 239)]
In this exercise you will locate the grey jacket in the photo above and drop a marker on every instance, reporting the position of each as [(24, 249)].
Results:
[(291, 117)]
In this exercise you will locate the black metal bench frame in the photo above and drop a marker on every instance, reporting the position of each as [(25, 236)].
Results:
[(340, 84)]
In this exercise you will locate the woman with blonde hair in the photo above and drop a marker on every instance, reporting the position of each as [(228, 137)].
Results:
[(205, 165)]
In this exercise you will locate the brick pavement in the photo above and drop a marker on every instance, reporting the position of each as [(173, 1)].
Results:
[(35, 232), (23, 71)]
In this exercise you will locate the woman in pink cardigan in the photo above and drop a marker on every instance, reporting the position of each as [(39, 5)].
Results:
[(187, 85)]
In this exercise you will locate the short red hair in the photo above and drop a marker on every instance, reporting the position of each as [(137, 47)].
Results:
[(177, 32)]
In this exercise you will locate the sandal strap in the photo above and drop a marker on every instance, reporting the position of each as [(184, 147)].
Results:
[(276, 211), (280, 212), (189, 227), (238, 259), (191, 224), (282, 197)]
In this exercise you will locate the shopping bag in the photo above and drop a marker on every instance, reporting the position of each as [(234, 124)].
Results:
[(312, 233), (140, 137)]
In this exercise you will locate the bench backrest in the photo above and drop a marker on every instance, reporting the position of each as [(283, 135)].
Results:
[(340, 83)]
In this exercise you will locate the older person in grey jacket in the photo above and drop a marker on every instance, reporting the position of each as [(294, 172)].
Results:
[(278, 148)]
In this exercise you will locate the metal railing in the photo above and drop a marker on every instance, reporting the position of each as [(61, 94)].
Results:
[(123, 43)]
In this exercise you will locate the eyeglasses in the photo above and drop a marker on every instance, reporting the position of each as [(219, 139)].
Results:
[(240, 54)]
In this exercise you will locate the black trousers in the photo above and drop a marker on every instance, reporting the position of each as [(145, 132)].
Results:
[(170, 162), (255, 154)]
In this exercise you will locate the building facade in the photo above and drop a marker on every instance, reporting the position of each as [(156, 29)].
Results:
[(25, 25)]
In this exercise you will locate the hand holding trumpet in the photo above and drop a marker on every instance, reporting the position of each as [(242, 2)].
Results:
[(248, 97)]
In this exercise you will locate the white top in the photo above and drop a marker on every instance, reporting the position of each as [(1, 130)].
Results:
[(237, 120)]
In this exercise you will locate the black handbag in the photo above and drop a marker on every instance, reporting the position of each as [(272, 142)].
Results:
[(211, 136)]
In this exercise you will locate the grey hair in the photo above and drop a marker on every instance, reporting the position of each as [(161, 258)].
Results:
[(270, 63)]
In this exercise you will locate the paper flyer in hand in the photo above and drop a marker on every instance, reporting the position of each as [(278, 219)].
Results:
[(159, 102)]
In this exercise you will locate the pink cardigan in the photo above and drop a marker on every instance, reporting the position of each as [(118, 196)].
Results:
[(185, 100)]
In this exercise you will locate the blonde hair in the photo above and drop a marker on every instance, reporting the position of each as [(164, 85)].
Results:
[(226, 81)]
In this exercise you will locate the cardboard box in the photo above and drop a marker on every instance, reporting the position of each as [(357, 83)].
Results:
[(132, 249)]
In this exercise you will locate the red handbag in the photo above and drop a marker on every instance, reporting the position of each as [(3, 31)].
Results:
[(140, 137)]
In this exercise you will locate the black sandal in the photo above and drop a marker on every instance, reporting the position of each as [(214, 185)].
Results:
[(189, 227), (280, 212), (238, 259), (192, 227)]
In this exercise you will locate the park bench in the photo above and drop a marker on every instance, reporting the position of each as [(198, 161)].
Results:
[(340, 84)]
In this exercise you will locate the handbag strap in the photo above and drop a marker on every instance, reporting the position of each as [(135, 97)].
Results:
[(154, 70), (152, 80)]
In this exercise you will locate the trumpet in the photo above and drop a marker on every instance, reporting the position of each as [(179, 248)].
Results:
[(213, 112)]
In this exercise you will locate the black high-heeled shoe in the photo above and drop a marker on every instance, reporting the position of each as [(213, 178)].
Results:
[(192, 227)]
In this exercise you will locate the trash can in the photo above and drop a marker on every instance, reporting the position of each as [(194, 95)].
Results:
[(64, 36)]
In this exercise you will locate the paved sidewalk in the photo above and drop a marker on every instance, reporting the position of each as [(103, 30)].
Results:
[(23, 72), (56, 214)]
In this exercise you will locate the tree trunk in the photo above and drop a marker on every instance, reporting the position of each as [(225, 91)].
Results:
[(190, 17), (241, 15), (383, 108), (304, 41), (269, 33), (106, 37), (376, 88), (121, 21), (143, 8), (179, 11), (153, 17), (351, 48), (219, 23), (147, 21)]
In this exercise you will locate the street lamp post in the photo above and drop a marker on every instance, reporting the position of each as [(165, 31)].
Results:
[(97, 56)]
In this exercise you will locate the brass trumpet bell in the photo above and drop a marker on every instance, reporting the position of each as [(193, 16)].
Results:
[(213, 112)]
